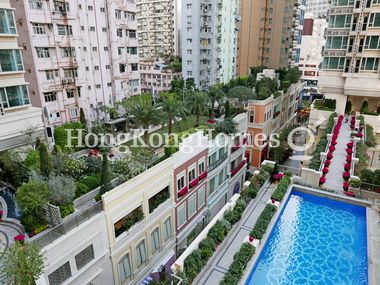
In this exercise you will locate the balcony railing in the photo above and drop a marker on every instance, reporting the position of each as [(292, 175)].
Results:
[(237, 169), (214, 165), (47, 237)]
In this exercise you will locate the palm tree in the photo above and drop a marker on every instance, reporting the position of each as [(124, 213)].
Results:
[(228, 126), (172, 108), (144, 112), (215, 94), (197, 103)]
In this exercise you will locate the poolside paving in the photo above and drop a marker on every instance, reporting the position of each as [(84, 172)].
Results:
[(215, 272), (334, 179)]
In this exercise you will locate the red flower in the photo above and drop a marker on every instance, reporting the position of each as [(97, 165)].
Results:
[(332, 148), (377, 190), (349, 151), (330, 155), (359, 135), (346, 185), (251, 238), (347, 166), (333, 142), (325, 170), (322, 180), (211, 121), (19, 238), (327, 163), (348, 158), (182, 192), (350, 145), (194, 183), (203, 175), (346, 175)]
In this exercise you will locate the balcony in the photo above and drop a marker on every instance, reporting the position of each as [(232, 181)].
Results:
[(237, 169), (236, 147), (214, 165), (14, 96)]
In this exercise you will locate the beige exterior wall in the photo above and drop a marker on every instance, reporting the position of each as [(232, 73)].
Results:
[(123, 200)]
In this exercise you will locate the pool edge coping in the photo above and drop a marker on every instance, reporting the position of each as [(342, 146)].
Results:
[(323, 194)]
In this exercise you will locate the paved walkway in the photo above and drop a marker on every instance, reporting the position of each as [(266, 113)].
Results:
[(226, 252), (334, 178)]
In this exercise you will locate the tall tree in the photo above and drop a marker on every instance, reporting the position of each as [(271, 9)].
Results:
[(82, 117), (173, 108), (105, 178), (144, 112), (228, 126), (45, 160), (22, 264), (197, 103), (215, 94), (177, 86)]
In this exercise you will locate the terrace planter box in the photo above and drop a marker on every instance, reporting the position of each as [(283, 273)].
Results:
[(203, 175), (183, 192), (194, 183)]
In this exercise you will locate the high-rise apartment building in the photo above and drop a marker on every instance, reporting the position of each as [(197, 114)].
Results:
[(318, 8), (350, 71), (270, 34), (157, 28), (78, 54), (208, 40), (311, 48), (20, 123)]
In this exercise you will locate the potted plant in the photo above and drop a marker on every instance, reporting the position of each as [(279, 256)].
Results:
[(346, 175), (330, 156), (350, 145), (325, 170), (332, 148), (346, 185), (359, 135), (322, 181), (349, 158), (349, 151), (347, 166), (327, 163)]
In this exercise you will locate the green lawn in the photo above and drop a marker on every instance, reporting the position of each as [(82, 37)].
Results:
[(185, 124)]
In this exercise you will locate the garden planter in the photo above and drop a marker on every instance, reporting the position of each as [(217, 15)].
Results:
[(350, 194), (346, 176), (325, 170), (194, 183), (203, 175), (183, 191)]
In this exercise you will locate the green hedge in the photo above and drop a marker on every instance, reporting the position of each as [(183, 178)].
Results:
[(263, 221), (315, 162), (238, 265), (280, 191), (370, 139)]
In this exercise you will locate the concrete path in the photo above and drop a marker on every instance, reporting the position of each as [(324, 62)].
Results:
[(334, 179), (215, 273)]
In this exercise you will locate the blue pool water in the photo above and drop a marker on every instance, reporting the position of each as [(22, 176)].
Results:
[(315, 241)]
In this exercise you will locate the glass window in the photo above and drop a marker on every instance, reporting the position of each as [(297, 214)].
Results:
[(192, 205), (191, 174), (68, 52), (84, 257), (60, 275), (155, 237), (14, 96), (7, 22), (52, 74), (168, 228), (201, 167), (50, 96), (180, 183), (221, 177), (10, 60), (333, 63), (125, 268), (372, 42), (181, 215), (65, 30), (140, 253), (35, 4), (212, 185), (201, 197), (340, 21), (370, 64), (39, 29)]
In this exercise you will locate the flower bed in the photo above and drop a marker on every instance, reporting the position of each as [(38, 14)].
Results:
[(280, 191), (263, 221)]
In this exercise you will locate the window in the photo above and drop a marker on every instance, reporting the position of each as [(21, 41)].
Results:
[(212, 185), (109, 84), (70, 72), (201, 197), (180, 183), (134, 67), (188, 6), (74, 113), (120, 50), (50, 96), (105, 48), (84, 257), (98, 86), (189, 73), (61, 6), (132, 50), (130, 16), (333, 63), (39, 29), (372, 42), (52, 74), (155, 237), (340, 21), (94, 49), (374, 20), (104, 29), (134, 82), (168, 228), (191, 174), (96, 67), (189, 52), (43, 52), (35, 4), (201, 167), (70, 93), (132, 33), (221, 177), (92, 29), (65, 30), (140, 253), (121, 67), (342, 2), (14, 96), (60, 275), (108, 66), (192, 205), (7, 22), (90, 8), (189, 40), (118, 14), (10, 60), (181, 215), (251, 117), (370, 63), (102, 9), (119, 33), (68, 52), (336, 42), (125, 268)]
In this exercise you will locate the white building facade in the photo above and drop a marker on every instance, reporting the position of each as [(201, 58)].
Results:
[(209, 31), (20, 123), (350, 71), (157, 23), (78, 55)]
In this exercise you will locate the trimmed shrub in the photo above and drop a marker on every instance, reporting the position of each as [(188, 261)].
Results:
[(207, 248), (91, 182), (193, 264), (66, 210), (81, 189), (239, 263), (281, 189), (263, 221), (219, 231)]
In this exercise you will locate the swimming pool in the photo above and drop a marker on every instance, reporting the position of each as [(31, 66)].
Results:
[(315, 241)]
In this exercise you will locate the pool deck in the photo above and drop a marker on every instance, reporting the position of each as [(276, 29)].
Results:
[(215, 272)]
